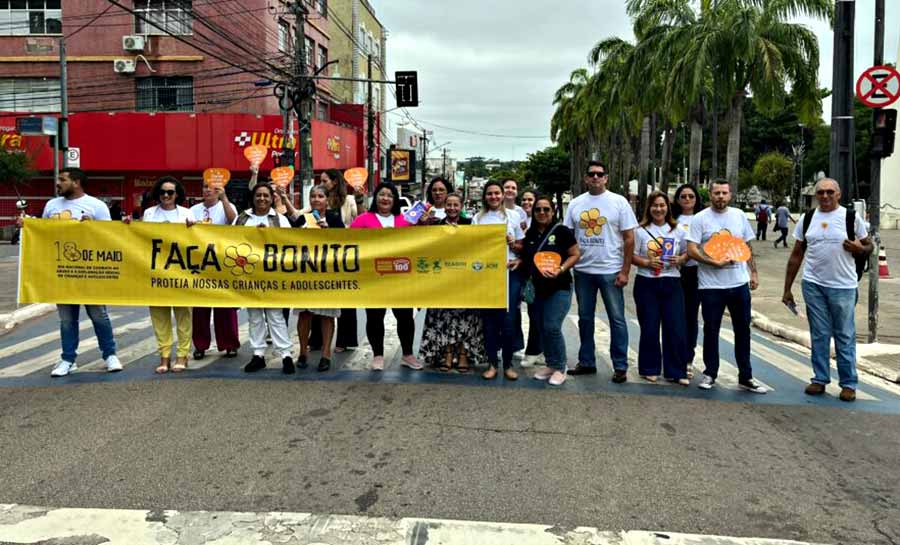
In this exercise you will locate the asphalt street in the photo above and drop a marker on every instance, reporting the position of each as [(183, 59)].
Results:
[(426, 444)]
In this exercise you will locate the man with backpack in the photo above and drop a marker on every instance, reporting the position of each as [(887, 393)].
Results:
[(836, 243), (763, 215)]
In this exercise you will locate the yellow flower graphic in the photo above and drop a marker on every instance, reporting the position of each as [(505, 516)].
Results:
[(241, 259), (654, 246), (592, 222)]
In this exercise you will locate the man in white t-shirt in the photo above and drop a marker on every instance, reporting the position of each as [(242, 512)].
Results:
[(829, 285), (724, 284), (215, 210), (603, 223), (74, 204)]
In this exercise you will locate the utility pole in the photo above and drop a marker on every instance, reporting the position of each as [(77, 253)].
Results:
[(875, 193), (424, 162), (370, 140), (444, 164), (303, 89), (842, 130)]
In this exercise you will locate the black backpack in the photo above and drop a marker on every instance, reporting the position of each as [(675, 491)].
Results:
[(862, 262)]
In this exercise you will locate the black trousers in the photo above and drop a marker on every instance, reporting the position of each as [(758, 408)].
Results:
[(406, 329), (691, 308), (783, 237), (761, 230)]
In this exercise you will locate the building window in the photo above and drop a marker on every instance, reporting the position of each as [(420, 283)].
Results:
[(322, 111), (322, 58), (310, 52), (29, 95), (284, 36), (163, 17), (24, 17), (156, 94), (322, 7)]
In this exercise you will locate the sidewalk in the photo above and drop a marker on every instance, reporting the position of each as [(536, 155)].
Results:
[(885, 356)]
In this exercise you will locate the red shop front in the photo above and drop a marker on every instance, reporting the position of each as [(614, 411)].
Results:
[(124, 153)]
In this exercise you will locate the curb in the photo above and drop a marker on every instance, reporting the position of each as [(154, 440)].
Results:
[(10, 320), (797, 336)]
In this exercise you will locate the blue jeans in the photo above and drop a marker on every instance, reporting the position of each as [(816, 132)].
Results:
[(68, 330), (713, 303), (586, 286), (549, 312), (660, 303), (831, 313)]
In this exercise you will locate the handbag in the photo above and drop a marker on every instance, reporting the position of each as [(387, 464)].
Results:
[(528, 293)]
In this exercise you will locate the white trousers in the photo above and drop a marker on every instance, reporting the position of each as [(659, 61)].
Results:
[(281, 339)]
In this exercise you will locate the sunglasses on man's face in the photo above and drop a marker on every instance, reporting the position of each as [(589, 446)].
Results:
[(167, 192), (596, 174), (828, 192), (545, 209)]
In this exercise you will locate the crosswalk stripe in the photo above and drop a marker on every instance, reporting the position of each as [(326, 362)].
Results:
[(49, 358), (52, 336)]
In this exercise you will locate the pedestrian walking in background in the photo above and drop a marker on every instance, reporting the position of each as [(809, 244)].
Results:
[(318, 218), (830, 237), (265, 321), (659, 252), (215, 209), (452, 333), (763, 215), (687, 203), (500, 325), (782, 216), (603, 223), (552, 287), (74, 204), (384, 213), (724, 284)]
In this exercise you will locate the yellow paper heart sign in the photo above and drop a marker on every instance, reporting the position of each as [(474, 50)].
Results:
[(216, 177), (256, 154), (282, 176)]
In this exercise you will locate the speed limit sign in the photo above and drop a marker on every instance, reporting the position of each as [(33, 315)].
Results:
[(73, 157)]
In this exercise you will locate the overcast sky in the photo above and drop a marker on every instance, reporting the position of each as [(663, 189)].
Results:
[(492, 66)]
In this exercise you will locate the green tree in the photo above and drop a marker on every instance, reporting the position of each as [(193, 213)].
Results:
[(549, 171), (774, 172), (15, 169)]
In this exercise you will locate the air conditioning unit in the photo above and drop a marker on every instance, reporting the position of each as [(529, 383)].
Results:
[(123, 66), (133, 43)]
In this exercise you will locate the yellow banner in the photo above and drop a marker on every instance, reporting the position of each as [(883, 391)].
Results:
[(99, 262)]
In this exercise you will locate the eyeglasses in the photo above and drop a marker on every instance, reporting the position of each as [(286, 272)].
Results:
[(687, 196), (828, 192), (596, 174), (543, 209), (167, 192)]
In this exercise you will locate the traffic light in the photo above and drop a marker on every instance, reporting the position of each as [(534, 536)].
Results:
[(407, 89), (884, 126)]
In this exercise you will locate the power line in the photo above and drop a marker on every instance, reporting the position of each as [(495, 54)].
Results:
[(476, 133)]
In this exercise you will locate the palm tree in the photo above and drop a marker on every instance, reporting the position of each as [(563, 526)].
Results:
[(570, 126)]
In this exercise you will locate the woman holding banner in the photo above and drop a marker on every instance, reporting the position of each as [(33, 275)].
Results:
[(659, 251), (263, 215), (340, 199), (452, 333), (215, 210), (499, 325), (318, 218), (384, 213), (169, 193), (549, 252), (687, 203)]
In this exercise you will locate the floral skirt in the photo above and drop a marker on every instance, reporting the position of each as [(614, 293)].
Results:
[(444, 327)]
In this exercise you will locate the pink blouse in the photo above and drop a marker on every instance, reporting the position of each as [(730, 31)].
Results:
[(369, 220)]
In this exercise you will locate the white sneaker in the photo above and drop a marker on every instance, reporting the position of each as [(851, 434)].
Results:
[(543, 374), (533, 359), (754, 386), (63, 368), (558, 378), (706, 383), (519, 354), (113, 365)]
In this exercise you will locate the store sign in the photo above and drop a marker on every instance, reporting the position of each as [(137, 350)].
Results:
[(334, 146), (267, 139), (10, 141)]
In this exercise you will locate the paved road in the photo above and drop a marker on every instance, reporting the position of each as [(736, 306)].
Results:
[(426, 444)]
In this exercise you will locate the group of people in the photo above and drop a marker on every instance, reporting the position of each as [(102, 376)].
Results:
[(595, 241)]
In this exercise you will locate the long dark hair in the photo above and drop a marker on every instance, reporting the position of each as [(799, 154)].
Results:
[(338, 195), (437, 180), (676, 205), (647, 219), (374, 206), (180, 195)]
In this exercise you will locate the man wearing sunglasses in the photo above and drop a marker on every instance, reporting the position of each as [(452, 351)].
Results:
[(830, 282), (603, 223)]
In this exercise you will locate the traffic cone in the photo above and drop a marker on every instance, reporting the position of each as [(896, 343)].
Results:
[(883, 271)]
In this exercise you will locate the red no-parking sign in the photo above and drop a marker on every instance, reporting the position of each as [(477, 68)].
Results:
[(879, 86)]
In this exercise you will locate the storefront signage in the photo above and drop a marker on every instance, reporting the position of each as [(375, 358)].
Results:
[(267, 139)]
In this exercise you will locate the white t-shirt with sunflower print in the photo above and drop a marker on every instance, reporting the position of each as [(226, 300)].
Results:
[(707, 223), (663, 235), (598, 222)]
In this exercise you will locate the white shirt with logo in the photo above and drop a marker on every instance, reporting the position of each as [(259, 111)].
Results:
[(827, 263), (684, 224), (706, 224), (663, 235), (598, 222), (63, 208), (214, 214), (157, 214), (510, 219)]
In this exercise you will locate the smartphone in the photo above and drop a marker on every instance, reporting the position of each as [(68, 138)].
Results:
[(793, 308)]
